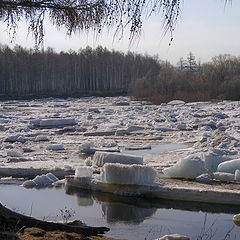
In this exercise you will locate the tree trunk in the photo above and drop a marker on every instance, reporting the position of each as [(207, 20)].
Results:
[(10, 220)]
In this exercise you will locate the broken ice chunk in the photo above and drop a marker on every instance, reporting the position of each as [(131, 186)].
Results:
[(87, 148), (127, 174), (52, 176), (54, 122), (189, 168), (41, 138), (41, 181), (222, 176), (14, 154), (55, 147), (88, 162), (237, 175), (100, 158), (16, 138), (174, 237), (229, 166), (213, 158), (83, 172), (29, 184)]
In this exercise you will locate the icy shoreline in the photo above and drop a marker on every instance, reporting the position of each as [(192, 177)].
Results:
[(155, 191)]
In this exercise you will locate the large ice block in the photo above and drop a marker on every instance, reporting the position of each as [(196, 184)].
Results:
[(229, 166), (83, 172), (127, 174), (100, 158), (213, 158), (189, 168)]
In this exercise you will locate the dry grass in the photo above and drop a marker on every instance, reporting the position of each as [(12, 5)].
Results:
[(39, 234)]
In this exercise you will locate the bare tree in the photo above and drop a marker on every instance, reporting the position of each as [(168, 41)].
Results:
[(80, 15)]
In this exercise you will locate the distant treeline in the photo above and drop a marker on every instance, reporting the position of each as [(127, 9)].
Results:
[(216, 80), (32, 73)]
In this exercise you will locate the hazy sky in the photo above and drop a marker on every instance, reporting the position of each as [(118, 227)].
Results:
[(205, 27)]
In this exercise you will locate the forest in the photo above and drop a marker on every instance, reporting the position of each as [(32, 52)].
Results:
[(31, 73), (191, 81)]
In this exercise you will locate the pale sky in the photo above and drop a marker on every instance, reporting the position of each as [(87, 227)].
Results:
[(205, 27)]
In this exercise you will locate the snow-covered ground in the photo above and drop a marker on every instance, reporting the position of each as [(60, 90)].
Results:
[(47, 133)]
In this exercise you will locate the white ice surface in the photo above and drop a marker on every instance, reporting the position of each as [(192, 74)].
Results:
[(152, 121), (127, 174), (83, 172), (101, 158)]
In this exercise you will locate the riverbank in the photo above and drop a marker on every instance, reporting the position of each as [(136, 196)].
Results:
[(40, 234)]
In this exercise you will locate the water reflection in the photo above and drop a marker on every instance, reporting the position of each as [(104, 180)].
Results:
[(84, 198), (133, 210), (117, 212), (114, 208)]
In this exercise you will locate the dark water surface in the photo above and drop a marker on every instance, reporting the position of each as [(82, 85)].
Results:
[(128, 218)]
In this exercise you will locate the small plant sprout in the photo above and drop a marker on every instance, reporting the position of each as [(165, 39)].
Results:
[(67, 214)]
